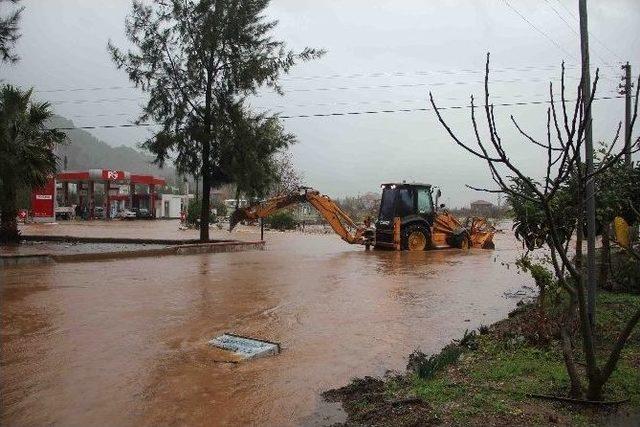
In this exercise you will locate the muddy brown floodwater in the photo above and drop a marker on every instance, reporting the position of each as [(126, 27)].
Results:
[(125, 342)]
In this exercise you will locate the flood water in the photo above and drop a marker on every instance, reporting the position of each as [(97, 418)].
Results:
[(125, 342)]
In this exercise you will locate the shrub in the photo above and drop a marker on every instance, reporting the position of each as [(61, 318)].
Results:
[(193, 214), (468, 340), (427, 366), (281, 221), (625, 272), (220, 208)]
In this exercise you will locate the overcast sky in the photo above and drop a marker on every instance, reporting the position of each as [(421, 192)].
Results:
[(382, 55)]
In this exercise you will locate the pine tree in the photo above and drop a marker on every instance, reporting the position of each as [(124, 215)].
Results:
[(198, 60)]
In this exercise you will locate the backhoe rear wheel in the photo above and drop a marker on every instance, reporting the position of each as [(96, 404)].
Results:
[(415, 238)]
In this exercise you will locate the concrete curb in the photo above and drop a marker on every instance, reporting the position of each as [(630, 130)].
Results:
[(75, 239), (183, 249), (31, 259)]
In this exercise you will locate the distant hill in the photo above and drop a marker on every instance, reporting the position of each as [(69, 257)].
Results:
[(85, 151)]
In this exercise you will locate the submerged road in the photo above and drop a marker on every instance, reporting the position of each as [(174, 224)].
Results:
[(125, 342)]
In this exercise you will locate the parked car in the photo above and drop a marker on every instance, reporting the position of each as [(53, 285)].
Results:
[(65, 212), (127, 214), (144, 213), (98, 212)]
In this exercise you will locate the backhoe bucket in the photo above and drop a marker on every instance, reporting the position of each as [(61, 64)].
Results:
[(237, 216)]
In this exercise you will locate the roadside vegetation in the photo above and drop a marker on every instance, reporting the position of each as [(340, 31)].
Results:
[(361, 206), (26, 152), (550, 211), (193, 214), (511, 373), (282, 221)]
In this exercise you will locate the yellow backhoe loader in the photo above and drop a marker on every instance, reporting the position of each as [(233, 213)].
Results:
[(407, 220)]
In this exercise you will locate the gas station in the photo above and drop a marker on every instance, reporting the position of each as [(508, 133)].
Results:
[(121, 191)]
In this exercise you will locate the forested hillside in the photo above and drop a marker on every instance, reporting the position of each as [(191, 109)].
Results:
[(85, 151)]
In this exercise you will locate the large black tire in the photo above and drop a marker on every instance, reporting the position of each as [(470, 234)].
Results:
[(460, 239), (415, 238)]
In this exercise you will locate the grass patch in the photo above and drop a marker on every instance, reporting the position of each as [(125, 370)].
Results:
[(527, 369), (485, 379), (437, 390)]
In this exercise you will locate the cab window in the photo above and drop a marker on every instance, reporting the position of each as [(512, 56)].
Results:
[(387, 204), (425, 205), (405, 202)]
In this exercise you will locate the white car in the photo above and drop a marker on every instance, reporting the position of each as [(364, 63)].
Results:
[(127, 214)]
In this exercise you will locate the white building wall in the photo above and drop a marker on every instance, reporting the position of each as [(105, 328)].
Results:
[(175, 203)]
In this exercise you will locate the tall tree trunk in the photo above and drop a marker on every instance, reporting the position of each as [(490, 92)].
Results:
[(594, 383), (567, 348), (206, 190), (605, 257), (8, 223), (206, 154)]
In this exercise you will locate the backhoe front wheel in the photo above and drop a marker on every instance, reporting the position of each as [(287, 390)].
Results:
[(461, 240), (415, 238)]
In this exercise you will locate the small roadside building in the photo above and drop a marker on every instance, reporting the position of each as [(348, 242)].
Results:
[(172, 205), (481, 207)]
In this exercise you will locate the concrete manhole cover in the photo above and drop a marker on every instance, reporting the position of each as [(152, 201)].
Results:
[(245, 347)]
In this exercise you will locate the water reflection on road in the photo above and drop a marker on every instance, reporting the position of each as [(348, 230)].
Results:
[(124, 342)]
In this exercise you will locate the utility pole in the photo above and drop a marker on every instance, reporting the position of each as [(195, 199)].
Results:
[(627, 113), (590, 211)]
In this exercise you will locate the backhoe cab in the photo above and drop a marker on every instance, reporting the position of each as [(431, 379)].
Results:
[(406, 216)]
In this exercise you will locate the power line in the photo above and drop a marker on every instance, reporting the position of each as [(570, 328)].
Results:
[(600, 42), (412, 85), (358, 75), (334, 88), (453, 107), (336, 104), (84, 89), (568, 10), (349, 113), (545, 35), (95, 101), (568, 24), (562, 18)]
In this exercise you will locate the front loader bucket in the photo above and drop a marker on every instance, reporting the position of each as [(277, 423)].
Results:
[(446, 227), (482, 234)]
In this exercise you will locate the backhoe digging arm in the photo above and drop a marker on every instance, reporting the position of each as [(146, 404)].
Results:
[(339, 221)]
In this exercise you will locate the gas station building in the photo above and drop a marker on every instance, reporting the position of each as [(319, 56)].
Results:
[(120, 192)]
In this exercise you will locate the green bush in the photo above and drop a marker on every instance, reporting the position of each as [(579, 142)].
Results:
[(193, 214), (220, 208), (625, 272), (281, 221), (427, 366)]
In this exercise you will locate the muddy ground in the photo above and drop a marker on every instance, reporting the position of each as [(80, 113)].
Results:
[(125, 342)]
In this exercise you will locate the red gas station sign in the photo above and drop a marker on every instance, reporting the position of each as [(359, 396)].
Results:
[(112, 175), (43, 199)]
